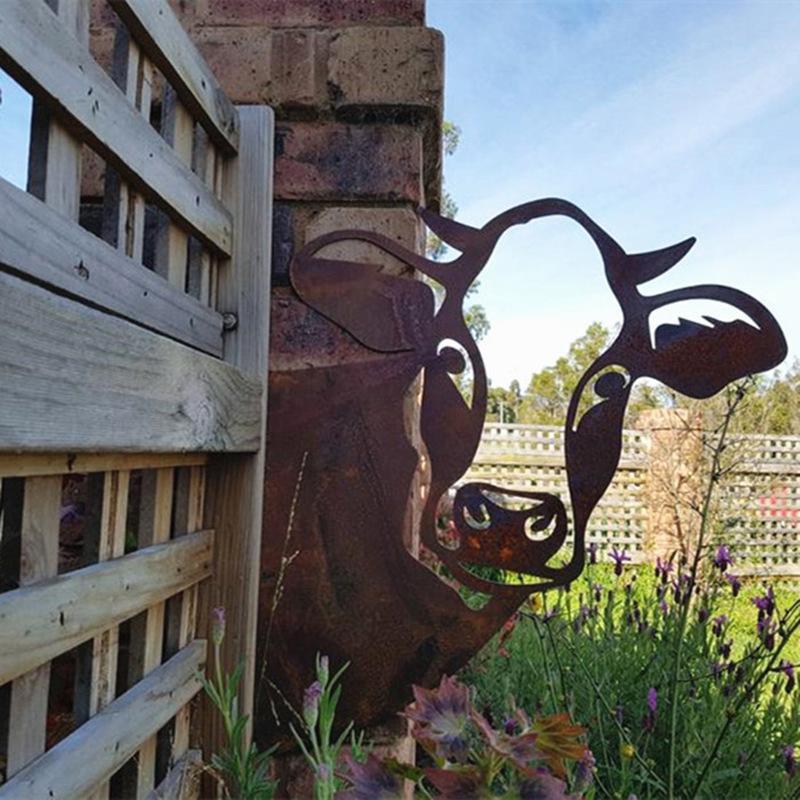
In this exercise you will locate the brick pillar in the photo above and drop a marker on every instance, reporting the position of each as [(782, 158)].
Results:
[(674, 480)]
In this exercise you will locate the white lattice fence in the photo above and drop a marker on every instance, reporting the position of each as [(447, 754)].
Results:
[(531, 458), (759, 505)]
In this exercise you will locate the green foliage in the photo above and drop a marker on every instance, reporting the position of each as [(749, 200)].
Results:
[(772, 404), (244, 769)]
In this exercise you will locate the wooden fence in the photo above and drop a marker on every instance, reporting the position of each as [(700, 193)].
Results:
[(132, 402), (758, 512)]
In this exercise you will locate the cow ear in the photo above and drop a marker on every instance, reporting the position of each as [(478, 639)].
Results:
[(643, 267), (383, 312), (452, 233)]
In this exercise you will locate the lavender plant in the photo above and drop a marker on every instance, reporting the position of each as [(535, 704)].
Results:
[(316, 740)]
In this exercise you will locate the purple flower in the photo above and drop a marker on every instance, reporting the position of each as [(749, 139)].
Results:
[(734, 582), (649, 719), (718, 623), (788, 670), (765, 603), (217, 625), (716, 670), (580, 619), (766, 631), (583, 777), (723, 559), (592, 550), (663, 569), (598, 592), (725, 649), (440, 717), (509, 726), (702, 614), (311, 703), (370, 780), (789, 762), (619, 557)]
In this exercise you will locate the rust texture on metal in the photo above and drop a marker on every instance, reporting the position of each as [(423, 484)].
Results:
[(348, 348)]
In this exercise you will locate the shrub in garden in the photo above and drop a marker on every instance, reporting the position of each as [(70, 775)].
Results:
[(724, 724)]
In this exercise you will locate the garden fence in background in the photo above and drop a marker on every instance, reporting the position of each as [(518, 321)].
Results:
[(757, 512)]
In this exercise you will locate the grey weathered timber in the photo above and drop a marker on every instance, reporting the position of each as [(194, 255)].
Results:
[(40, 242), (102, 745), (40, 621), (168, 46), (182, 780), (235, 484), (87, 100), (33, 464), (77, 380)]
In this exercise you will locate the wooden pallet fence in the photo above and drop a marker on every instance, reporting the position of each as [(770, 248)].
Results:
[(132, 359)]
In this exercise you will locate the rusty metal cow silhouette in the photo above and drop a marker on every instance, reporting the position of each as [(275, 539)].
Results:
[(353, 589)]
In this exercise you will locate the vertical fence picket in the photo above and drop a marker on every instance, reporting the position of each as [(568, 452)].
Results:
[(123, 207), (105, 648), (172, 245), (39, 559), (147, 631), (188, 618)]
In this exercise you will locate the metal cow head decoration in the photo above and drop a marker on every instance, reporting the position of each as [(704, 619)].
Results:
[(352, 588)]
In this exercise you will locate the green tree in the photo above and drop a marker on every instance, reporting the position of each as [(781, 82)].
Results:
[(550, 389)]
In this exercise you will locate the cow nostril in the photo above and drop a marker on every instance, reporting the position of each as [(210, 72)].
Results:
[(536, 528), (478, 524)]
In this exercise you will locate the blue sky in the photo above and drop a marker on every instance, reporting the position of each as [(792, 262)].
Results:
[(663, 120)]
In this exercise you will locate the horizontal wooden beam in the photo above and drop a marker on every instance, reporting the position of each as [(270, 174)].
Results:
[(88, 102), (158, 32), (40, 242), (43, 620), (78, 380), (96, 750), (27, 465)]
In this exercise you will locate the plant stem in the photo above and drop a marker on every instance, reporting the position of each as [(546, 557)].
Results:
[(684, 616)]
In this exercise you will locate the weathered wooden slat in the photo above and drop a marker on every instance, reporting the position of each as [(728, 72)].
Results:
[(26, 465), (40, 242), (98, 748), (54, 157), (39, 559), (187, 624), (182, 781), (78, 380), (88, 102), (166, 43), (172, 244), (147, 633), (105, 647), (39, 622), (235, 485)]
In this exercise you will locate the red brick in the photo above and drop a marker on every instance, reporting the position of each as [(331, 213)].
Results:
[(283, 68), (347, 162), (312, 13), (387, 67)]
